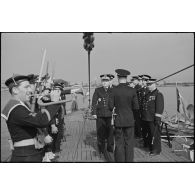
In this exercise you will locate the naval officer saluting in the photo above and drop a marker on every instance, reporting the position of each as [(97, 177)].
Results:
[(22, 123), (124, 100)]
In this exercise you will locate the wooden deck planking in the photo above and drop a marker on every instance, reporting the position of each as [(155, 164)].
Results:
[(81, 144), (76, 149)]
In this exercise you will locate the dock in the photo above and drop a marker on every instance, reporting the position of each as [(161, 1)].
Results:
[(80, 144)]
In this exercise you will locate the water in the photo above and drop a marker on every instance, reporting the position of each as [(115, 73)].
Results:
[(169, 97)]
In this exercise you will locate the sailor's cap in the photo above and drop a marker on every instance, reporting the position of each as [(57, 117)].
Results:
[(105, 77), (58, 86), (33, 78), (16, 80), (122, 72)]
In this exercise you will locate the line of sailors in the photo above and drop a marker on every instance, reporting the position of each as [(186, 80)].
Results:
[(35, 135), (127, 109)]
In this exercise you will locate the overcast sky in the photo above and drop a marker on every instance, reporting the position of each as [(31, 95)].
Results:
[(156, 54)]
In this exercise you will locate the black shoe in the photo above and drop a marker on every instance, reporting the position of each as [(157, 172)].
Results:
[(101, 149)]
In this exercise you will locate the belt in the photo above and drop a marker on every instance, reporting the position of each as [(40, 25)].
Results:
[(25, 142)]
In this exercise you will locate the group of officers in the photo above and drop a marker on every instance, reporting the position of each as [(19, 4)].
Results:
[(131, 110), (35, 116)]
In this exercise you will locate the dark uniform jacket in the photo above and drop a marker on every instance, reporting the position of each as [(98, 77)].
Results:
[(100, 102), (153, 105), (22, 123), (124, 99), (141, 93)]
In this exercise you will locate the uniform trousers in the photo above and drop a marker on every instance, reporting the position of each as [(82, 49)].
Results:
[(138, 131), (58, 137), (152, 136), (104, 133), (124, 144), (27, 154)]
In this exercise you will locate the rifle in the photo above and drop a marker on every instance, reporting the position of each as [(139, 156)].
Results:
[(38, 84), (40, 103)]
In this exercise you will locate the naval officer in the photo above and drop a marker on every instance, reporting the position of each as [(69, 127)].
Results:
[(124, 99), (101, 112), (153, 106)]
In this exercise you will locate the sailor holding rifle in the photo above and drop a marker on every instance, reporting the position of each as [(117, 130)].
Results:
[(22, 123)]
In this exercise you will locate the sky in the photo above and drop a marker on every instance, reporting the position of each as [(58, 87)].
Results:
[(155, 54)]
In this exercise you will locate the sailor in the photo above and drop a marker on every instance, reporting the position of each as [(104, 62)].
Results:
[(59, 120), (153, 106), (103, 115), (74, 106), (58, 133), (22, 123), (124, 100), (63, 97), (45, 98), (67, 91)]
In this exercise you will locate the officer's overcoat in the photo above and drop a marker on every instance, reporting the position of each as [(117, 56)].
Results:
[(124, 99)]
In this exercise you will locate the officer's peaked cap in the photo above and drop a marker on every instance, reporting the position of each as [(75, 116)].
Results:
[(145, 77), (135, 78), (105, 77), (151, 81), (122, 72)]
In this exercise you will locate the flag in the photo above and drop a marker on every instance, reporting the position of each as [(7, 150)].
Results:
[(181, 108)]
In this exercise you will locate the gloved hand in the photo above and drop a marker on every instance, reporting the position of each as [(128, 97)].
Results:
[(57, 121), (94, 116), (48, 139), (54, 129), (157, 120)]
